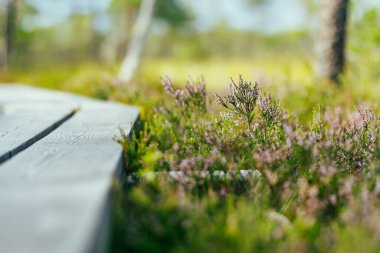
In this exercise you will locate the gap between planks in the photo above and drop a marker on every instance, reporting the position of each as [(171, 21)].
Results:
[(11, 153)]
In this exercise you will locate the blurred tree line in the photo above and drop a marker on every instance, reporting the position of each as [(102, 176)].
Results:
[(78, 38)]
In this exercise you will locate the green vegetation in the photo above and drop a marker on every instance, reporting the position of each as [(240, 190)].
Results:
[(290, 165), (315, 188)]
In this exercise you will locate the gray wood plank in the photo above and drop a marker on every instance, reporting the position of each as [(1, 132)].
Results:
[(19, 131), (27, 115), (18, 94), (57, 190)]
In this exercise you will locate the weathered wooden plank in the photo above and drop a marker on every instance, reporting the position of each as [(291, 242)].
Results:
[(27, 115), (19, 131), (85, 141), (57, 190), (19, 94)]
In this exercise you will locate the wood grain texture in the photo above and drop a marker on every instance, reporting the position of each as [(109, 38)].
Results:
[(26, 117), (19, 131), (57, 191)]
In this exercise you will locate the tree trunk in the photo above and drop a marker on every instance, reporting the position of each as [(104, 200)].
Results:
[(3, 43), (330, 58), (8, 30), (137, 41)]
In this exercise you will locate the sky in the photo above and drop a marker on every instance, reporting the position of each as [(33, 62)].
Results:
[(51, 12), (275, 16)]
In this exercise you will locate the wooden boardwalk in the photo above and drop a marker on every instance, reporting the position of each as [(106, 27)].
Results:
[(57, 162)]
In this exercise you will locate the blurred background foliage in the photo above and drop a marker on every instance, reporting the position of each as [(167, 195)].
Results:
[(78, 46)]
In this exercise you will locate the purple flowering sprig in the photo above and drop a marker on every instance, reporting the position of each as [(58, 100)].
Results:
[(192, 97), (241, 100), (270, 111), (270, 114)]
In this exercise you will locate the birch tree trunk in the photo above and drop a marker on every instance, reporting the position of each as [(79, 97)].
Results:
[(330, 56), (137, 42)]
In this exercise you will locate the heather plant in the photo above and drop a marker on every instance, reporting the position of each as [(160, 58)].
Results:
[(241, 100), (192, 99), (250, 177)]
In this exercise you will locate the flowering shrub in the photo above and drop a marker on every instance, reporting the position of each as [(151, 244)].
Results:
[(249, 178), (242, 100)]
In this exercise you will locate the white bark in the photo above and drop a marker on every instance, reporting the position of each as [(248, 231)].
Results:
[(137, 42)]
